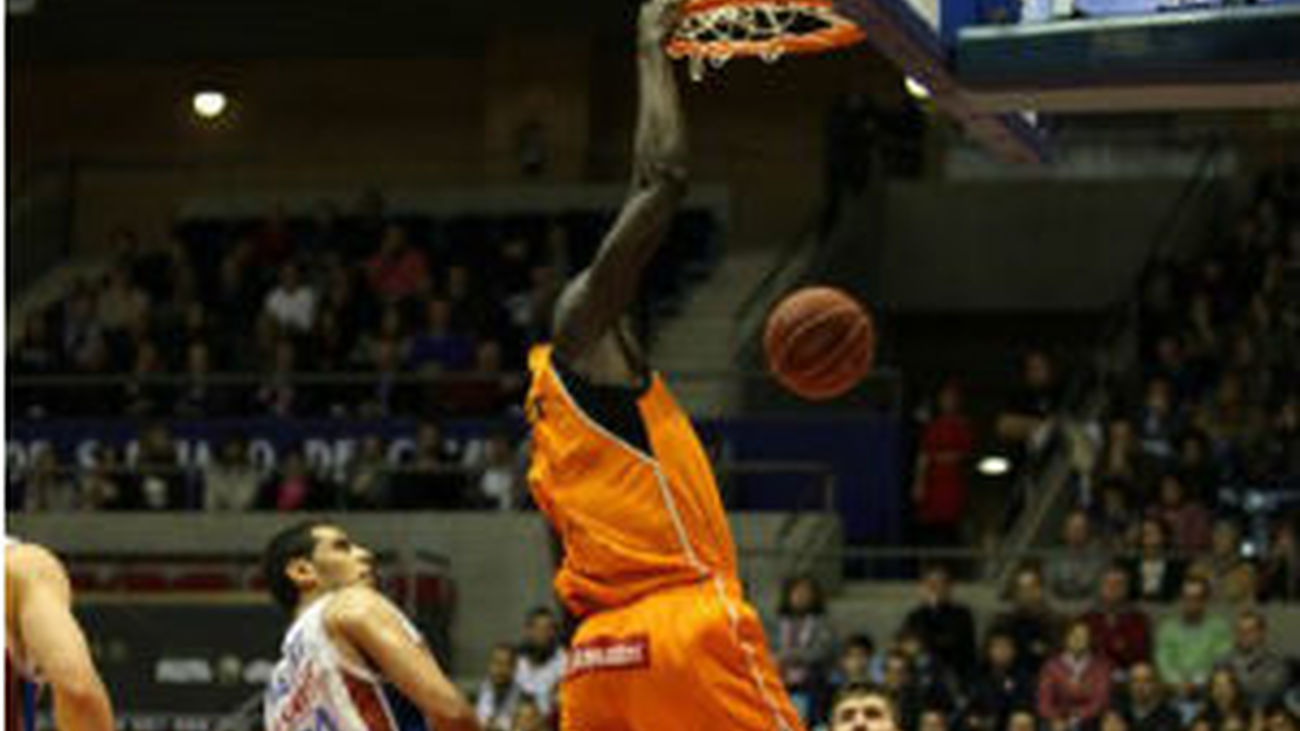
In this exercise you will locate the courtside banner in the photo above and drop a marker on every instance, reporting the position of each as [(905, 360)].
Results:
[(860, 452)]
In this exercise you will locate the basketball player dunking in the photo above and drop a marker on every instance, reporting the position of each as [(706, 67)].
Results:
[(44, 646), (666, 640), (352, 661)]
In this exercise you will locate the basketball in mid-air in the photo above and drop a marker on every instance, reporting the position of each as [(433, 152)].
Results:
[(820, 342)]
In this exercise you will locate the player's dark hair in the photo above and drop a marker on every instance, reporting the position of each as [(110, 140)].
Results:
[(861, 641), (292, 543)]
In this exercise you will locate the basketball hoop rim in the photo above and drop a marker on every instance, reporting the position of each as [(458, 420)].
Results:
[(841, 32)]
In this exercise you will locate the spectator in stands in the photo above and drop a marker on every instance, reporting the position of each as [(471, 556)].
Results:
[(197, 397), (397, 271), (901, 686), (499, 481), (440, 347), (1113, 516), (1159, 575), (853, 666), (272, 243), (119, 306), (1230, 575), (230, 481), (1262, 673), (430, 478), (541, 659), (108, 485), (143, 391), (1031, 622), (1280, 718), (1157, 421), (1197, 472), (1073, 576), (933, 719), (529, 716), (162, 481), (934, 681), (1145, 702), (291, 304), (940, 490), (1120, 631), (1189, 644), (48, 487), (1122, 459), (368, 476), (1224, 704), (499, 695), (1187, 518), (803, 643), (1000, 686), (490, 390), (530, 311), (1112, 720), (278, 395), (294, 487), (1022, 719), (34, 354), (946, 627), (1028, 419), (1074, 687), (1281, 450), (1281, 571), (1234, 427), (238, 292)]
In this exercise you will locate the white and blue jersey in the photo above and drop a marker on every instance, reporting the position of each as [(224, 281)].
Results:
[(315, 687)]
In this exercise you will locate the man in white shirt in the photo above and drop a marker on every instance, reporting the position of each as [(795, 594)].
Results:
[(292, 304), (541, 659)]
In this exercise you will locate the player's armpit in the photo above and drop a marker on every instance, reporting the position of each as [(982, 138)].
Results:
[(55, 644), (372, 626)]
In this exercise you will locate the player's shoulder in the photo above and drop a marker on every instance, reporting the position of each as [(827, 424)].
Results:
[(32, 561), (355, 605)]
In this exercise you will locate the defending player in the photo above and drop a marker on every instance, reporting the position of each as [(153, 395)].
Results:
[(352, 661), (667, 640), (44, 645)]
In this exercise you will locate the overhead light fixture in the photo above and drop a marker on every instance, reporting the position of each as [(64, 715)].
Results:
[(994, 466), (209, 103), (915, 88)]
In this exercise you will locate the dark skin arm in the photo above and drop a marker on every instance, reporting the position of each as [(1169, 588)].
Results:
[(588, 331)]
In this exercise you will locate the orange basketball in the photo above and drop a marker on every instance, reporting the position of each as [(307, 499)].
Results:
[(820, 342)]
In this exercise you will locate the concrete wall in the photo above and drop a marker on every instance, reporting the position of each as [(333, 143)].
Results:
[(445, 121), (1009, 245), (500, 563)]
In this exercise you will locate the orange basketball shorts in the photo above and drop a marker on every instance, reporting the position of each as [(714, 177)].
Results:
[(690, 658)]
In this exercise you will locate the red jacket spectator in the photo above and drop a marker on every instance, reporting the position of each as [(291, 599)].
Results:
[(941, 490), (1119, 631), (1122, 635), (397, 271), (1074, 686)]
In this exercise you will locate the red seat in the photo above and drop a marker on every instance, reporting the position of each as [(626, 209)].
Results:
[(204, 581), (142, 580)]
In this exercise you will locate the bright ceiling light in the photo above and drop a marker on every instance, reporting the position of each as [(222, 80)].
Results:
[(915, 88), (209, 104), (994, 466)]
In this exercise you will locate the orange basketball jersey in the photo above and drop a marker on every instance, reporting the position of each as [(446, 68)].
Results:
[(631, 523)]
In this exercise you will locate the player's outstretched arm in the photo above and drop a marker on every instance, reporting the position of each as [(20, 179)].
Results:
[(595, 299), (370, 624), (54, 641)]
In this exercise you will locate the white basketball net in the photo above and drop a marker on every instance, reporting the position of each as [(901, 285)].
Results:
[(715, 34)]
